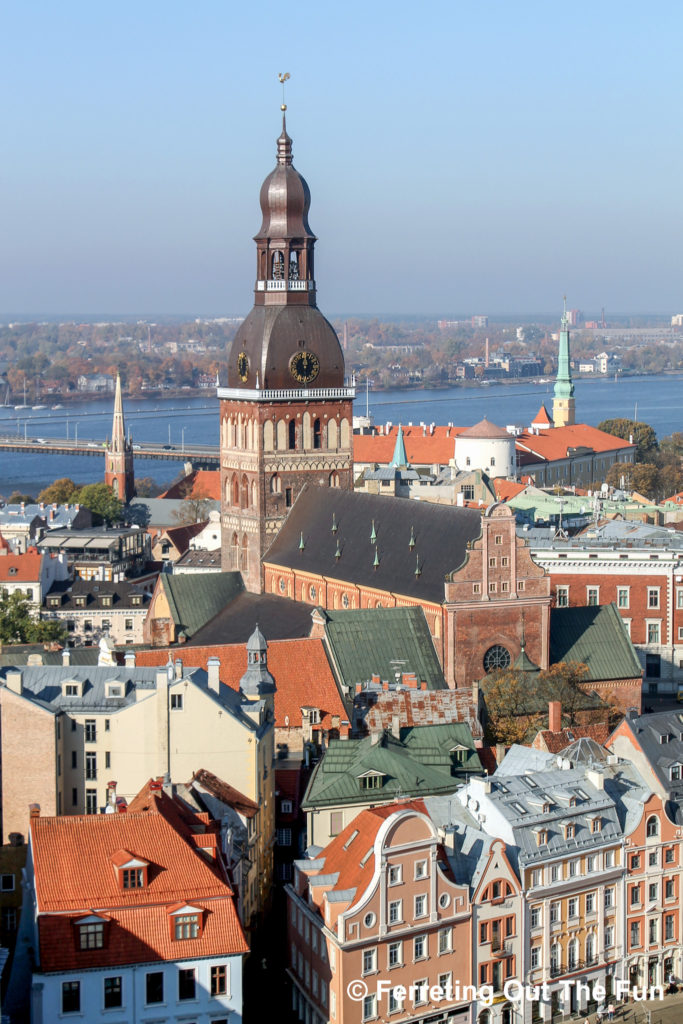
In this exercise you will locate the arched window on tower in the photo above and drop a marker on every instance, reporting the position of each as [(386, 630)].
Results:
[(292, 434), (317, 434), (276, 484), (334, 479), (294, 266), (244, 503), (235, 552), (244, 559), (235, 490), (278, 265), (253, 494), (115, 486)]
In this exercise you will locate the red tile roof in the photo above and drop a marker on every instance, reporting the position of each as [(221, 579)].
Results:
[(553, 444), (20, 568), (200, 483), (344, 854), (4, 546), (677, 499), (300, 668), (422, 447), (75, 875), (557, 741), (485, 429), (506, 489), (226, 793), (424, 707), (542, 417)]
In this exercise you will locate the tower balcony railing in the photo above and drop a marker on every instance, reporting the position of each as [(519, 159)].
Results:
[(285, 286), (284, 394)]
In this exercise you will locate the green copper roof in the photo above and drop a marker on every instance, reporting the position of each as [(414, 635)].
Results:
[(399, 458), (596, 636), (422, 762), (382, 641), (194, 599), (564, 386)]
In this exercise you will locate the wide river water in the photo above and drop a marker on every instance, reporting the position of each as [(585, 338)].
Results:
[(655, 400)]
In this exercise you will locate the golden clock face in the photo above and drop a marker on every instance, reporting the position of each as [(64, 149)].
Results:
[(304, 367), (243, 366)]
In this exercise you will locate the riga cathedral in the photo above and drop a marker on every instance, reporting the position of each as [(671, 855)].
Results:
[(286, 414)]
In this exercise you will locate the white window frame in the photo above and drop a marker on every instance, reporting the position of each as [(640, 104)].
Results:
[(654, 624), (627, 592)]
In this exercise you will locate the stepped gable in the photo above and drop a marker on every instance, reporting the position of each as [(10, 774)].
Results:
[(441, 536)]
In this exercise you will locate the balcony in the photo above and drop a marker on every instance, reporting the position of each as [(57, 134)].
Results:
[(284, 394), (503, 948), (285, 286)]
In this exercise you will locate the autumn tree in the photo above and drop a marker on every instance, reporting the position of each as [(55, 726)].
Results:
[(563, 681), (509, 719), (60, 491), (642, 434)]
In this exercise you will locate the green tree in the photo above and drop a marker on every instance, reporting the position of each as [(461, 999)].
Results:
[(100, 499), (60, 491), (17, 625), (16, 498), (642, 434)]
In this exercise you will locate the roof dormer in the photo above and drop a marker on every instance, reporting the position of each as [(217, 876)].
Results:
[(91, 931), (114, 689), (131, 872), (185, 922), (371, 779), (72, 688)]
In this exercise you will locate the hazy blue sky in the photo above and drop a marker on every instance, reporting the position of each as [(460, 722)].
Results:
[(462, 157)]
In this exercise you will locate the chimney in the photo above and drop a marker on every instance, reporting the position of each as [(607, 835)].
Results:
[(375, 678), (596, 777), (178, 668), (14, 681), (500, 752), (385, 684), (16, 839), (213, 668), (34, 810), (409, 679), (396, 727), (359, 687), (129, 658), (344, 730), (555, 716), (423, 685), (475, 693), (66, 656)]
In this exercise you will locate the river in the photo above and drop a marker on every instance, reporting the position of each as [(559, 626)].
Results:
[(194, 420)]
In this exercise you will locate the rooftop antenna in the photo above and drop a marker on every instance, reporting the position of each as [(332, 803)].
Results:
[(282, 78), (560, 533)]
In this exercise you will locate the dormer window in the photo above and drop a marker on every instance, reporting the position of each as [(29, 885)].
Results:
[(573, 801), (596, 825), (131, 871), (80, 601), (106, 600), (186, 922), (371, 780), (136, 599), (72, 688), (541, 837), (569, 830), (675, 772), (546, 807), (90, 932), (113, 690), (54, 602)]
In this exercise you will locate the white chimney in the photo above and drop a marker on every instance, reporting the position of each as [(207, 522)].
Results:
[(213, 668)]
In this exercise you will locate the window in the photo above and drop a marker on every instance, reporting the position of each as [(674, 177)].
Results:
[(555, 872), (554, 913), (675, 774), (421, 869), (288, 497), (562, 597), (654, 931), (74, 759), (445, 940), (420, 906), (113, 992), (590, 903), (591, 863), (336, 822), (669, 855), (609, 898), (219, 980), (483, 932), (622, 597), (635, 861), (395, 874), (91, 801), (419, 947), (128, 624), (186, 983), (7, 883), (284, 837), (395, 911), (670, 889), (154, 991), (635, 895), (9, 919), (395, 950), (476, 588), (535, 917), (91, 765), (90, 730), (652, 859), (176, 702), (652, 827), (497, 657), (369, 961), (653, 892), (505, 561), (573, 907), (74, 797), (653, 634), (285, 806), (370, 1007), (535, 956), (609, 858), (492, 563), (653, 662), (592, 596), (669, 927), (71, 997), (572, 955), (609, 935), (536, 877), (186, 926), (107, 759), (653, 597), (590, 948), (91, 936)]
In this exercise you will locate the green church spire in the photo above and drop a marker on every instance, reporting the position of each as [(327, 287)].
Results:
[(563, 396), (399, 458)]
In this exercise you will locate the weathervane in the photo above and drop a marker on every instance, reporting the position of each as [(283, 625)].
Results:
[(282, 78)]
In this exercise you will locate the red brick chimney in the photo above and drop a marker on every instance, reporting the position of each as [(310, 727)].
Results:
[(555, 716)]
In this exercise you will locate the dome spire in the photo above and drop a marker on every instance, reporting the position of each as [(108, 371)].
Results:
[(284, 143)]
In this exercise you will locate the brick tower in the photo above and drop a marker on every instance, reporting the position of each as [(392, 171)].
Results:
[(118, 467), (286, 414)]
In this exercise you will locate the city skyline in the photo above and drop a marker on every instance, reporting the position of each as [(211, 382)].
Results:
[(476, 161)]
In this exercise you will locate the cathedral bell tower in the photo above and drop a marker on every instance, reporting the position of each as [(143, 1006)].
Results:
[(286, 414), (118, 469)]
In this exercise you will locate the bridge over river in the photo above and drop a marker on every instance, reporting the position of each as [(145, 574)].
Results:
[(201, 456)]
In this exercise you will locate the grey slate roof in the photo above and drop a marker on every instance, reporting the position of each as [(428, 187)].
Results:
[(195, 600), (382, 641), (441, 536), (597, 637), (649, 732), (279, 617)]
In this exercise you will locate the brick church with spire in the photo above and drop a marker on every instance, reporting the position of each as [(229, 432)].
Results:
[(118, 470), (286, 411)]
